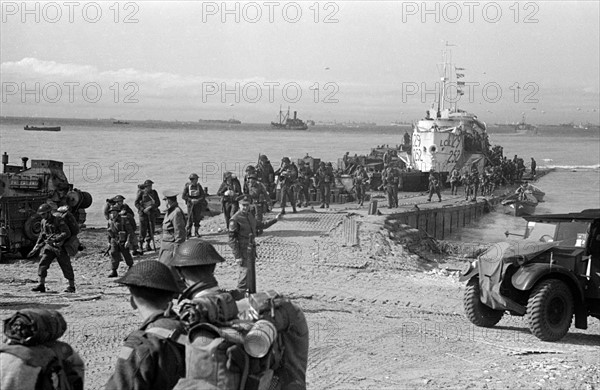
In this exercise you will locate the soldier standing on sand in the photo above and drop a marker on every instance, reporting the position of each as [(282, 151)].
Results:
[(472, 185), (53, 234), (360, 184), (288, 174), (305, 175), (229, 190), (119, 201), (434, 186), (149, 359), (173, 228), (194, 197), (391, 180), (324, 179), (120, 232), (260, 199), (242, 231), (147, 203), (266, 174)]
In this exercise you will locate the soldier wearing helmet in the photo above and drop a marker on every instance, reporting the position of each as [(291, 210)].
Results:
[(51, 242), (325, 179), (195, 262), (195, 199), (266, 174), (229, 190), (360, 183), (147, 202), (119, 201), (261, 201), (120, 233), (305, 175), (287, 176), (150, 358)]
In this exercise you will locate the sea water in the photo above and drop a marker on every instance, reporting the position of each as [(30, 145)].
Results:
[(106, 159)]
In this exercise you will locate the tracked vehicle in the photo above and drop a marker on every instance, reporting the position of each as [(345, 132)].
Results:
[(549, 277), (22, 190)]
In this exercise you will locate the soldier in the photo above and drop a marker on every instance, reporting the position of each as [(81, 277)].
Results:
[(324, 180), (173, 228), (434, 186), (533, 166), (53, 234), (149, 358), (454, 181), (305, 175), (266, 174), (472, 185), (229, 190), (119, 201), (120, 232), (147, 202), (360, 184), (242, 231), (195, 199), (288, 174), (260, 202), (59, 195), (391, 179), (196, 261), (250, 170)]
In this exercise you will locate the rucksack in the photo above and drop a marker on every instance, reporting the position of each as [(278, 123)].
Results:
[(47, 359), (220, 346)]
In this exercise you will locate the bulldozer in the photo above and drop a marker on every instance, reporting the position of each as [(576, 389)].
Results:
[(22, 190)]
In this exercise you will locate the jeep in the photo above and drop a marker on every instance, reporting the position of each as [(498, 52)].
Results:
[(550, 275)]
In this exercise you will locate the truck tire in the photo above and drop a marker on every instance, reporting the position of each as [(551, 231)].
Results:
[(476, 311), (550, 310), (33, 226)]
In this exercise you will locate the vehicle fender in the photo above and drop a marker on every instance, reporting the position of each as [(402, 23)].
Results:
[(469, 273), (528, 275)]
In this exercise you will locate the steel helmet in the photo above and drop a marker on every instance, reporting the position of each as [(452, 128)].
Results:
[(44, 208), (193, 176), (285, 160), (195, 252), (150, 274)]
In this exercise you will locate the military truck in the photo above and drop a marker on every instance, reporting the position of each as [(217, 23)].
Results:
[(22, 190), (550, 276)]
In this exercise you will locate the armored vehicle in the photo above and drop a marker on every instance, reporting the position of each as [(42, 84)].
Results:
[(549, 276), (23, 189)]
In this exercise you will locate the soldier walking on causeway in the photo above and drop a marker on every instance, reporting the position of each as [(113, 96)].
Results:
[(173, 228), (242, 232), (51, 242)]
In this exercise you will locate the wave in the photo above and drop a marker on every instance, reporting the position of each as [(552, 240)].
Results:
[(569, 167)]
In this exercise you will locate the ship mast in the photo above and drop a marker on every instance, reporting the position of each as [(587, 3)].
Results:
[(446, 70)]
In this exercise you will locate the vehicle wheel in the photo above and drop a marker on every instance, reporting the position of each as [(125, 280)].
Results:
[(33, 226), (550, 310), (477, 312)]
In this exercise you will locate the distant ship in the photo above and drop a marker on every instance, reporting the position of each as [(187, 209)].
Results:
[(120, 123), (231, 121), (285, 122), (398, 123), (523, 127), (42, 128)]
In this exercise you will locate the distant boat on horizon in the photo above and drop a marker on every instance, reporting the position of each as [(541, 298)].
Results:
[(120, 122), (41, 128), (285, 122), (231, 121)]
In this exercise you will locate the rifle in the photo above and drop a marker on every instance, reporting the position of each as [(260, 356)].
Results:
[(251, 264)]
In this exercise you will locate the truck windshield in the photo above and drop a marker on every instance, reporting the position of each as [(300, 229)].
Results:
[(568, 233)]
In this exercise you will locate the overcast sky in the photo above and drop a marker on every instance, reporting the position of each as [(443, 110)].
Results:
[(346, 61)]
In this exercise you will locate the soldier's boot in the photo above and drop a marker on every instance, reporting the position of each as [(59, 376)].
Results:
[(294, 210), (39, 288), (148, 247), (196, 232), (322, 206), (189, 232), (71, 287), (113, 274)]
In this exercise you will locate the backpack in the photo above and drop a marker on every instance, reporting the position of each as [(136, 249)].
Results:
[(72, 243), (226, 352), (47, 359)]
